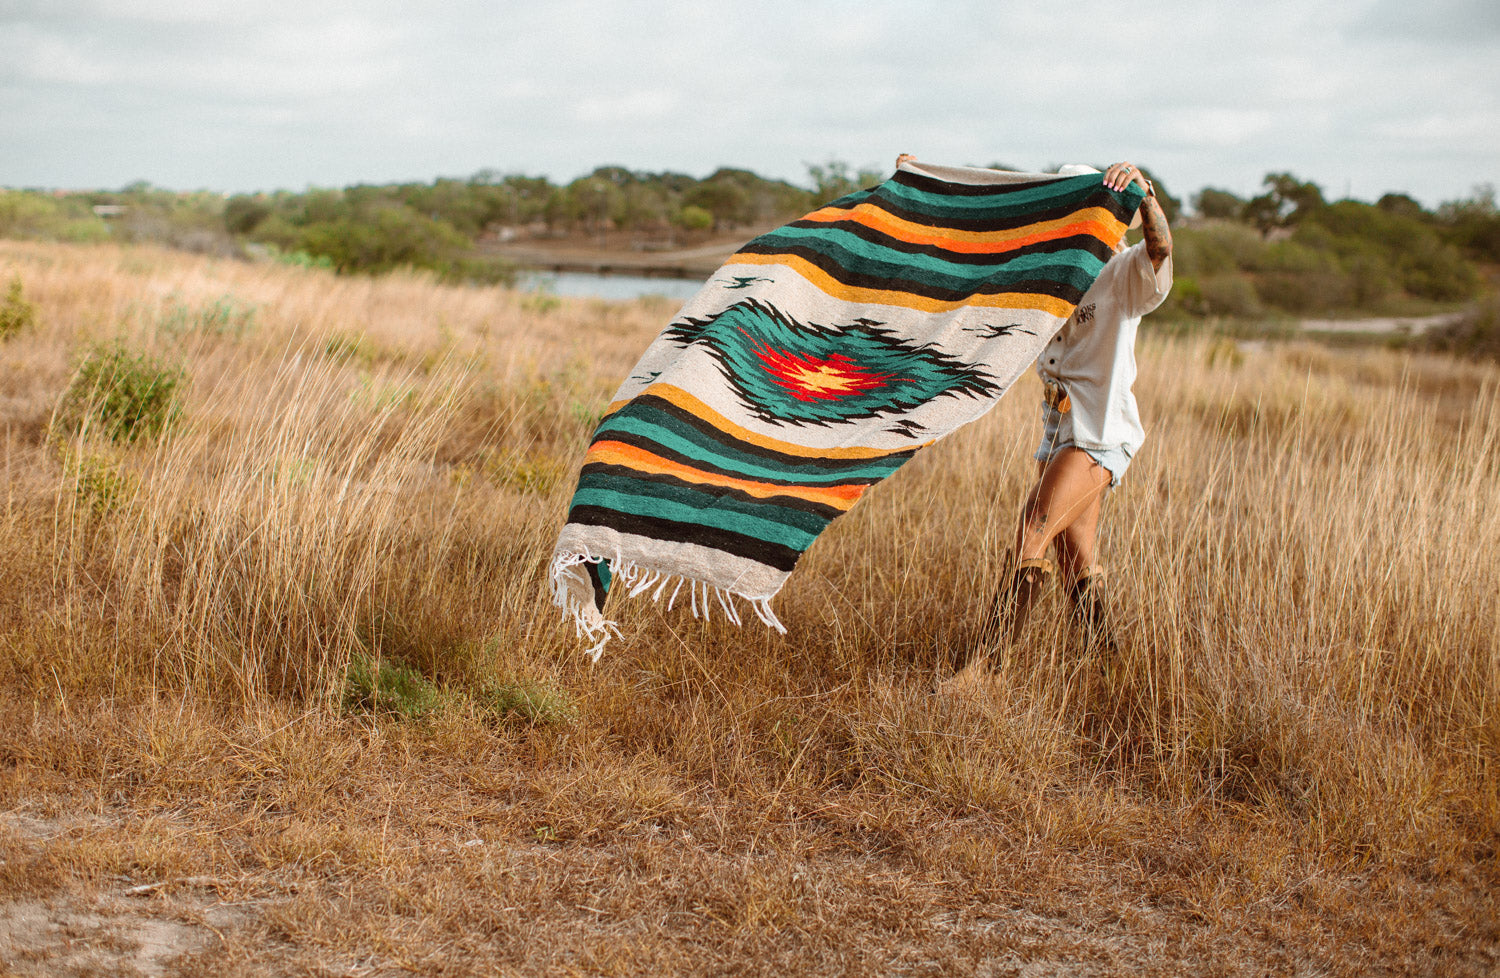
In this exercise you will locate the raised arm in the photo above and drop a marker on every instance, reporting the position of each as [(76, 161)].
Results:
[(1153, 220)]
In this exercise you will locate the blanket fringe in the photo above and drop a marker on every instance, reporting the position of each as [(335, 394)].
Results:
[(572, 592)]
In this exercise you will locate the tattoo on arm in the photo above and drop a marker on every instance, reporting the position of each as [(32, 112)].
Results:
[(1158, 234)]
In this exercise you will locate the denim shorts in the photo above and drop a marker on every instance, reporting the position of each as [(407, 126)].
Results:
[(1057, 434)]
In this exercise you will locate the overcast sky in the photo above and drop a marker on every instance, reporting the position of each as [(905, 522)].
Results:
[(1359, 96)]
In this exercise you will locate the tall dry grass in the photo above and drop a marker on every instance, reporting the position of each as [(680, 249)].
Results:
[(1302, 558)]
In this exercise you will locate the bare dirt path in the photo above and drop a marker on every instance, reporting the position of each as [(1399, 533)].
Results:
[(1413, 325)]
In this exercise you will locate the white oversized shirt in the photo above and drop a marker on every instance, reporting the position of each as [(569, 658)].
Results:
[(1093, 355)]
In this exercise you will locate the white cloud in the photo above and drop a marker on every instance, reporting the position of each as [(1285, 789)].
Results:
[(1218, 127), (636, 106), (259, 93)]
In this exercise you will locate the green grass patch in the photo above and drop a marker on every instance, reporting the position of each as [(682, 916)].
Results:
[(386, 687), (532, 702), (16, 314), (225, 316), (98, 483), (123, 395)]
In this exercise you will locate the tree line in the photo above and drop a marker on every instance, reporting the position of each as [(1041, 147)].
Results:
[(1285, 251), (1290, 250)]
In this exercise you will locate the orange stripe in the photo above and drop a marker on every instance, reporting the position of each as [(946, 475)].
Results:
[(1095, 221), (619, 453), (834, 288), (690, 404)]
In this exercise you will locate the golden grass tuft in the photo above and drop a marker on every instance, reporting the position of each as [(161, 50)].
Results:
[(1291, 767)]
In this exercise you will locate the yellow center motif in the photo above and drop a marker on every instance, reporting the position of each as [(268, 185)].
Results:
[(823, 379)]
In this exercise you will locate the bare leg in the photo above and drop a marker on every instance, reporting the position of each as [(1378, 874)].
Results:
[(1066, 499), (1076, 544), (1077, 555), (1069, 490)]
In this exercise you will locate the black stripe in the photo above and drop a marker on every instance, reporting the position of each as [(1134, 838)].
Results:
[(1070, 294), (761, 551), (756, 451), (821, 510)]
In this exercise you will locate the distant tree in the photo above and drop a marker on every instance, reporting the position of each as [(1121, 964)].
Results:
[(1287, 201), (1215, 203), (693, 218), (1473, 223), (1170, 206), (1400, 205), (725, 199), (836, 179), (321, 204), (244, 213)]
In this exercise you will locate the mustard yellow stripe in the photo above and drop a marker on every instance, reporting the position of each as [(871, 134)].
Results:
[(833, 287), (689, 403)]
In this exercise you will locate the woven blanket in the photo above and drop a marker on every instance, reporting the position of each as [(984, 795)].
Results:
[(814, 364)]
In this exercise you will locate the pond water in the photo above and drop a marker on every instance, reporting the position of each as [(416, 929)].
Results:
[(578, 285)]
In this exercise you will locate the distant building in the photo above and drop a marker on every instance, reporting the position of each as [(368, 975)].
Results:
[(109, 210)]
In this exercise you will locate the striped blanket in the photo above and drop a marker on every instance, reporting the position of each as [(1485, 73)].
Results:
[(810, 367)]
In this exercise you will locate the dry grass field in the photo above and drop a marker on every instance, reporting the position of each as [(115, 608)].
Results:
[(1293, 768)]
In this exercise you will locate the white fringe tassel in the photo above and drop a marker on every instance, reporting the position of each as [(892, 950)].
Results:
[(574, 594)]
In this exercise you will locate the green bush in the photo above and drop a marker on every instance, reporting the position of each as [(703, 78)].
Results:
[(16, 314), (386, 687), (226, 316), (301, 259), (1214, 248), (98, 483), (532, 702), (378, 237), (1227, 294), (28, 214), (1475, 334), (694, 218), (123, 395)]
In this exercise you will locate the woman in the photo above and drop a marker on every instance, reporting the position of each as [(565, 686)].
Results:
[(1091, 426)]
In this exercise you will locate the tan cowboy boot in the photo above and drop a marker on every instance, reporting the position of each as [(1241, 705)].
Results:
[(1088, 600), (1012, 606)]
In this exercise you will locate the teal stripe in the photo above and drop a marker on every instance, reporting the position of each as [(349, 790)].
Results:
[(667, 431), (1075, 266), (657, 507), (1069, 191), (706, 498)]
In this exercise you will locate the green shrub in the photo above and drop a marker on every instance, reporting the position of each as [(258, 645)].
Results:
[(124, 396), (225, 316), (477, 269), (386, 687), (1224, 351), (353, 347), (541, 301), (1475, 334), (532, 702), (301, 259), (1215, 248), (16, 314), (1229, 294), (33, 215), (98, 483), (694, 218)]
